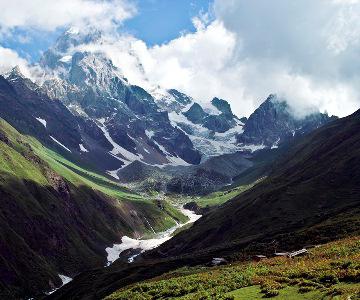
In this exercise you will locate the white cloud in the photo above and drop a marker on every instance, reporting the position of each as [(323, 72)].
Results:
[(9, 59), (305, 51), (48, 15)]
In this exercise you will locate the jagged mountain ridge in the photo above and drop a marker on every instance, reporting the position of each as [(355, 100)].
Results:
[(90, 85), (114, 123), (273, 123)]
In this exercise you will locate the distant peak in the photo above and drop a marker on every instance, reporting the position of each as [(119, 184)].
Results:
[(222, 105), (73, 31), (272, 97), (15, 72)]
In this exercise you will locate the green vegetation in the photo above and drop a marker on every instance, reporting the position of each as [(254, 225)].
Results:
[(25, 158), (330, 271), (210, 200), (80, 176), (218, 198)]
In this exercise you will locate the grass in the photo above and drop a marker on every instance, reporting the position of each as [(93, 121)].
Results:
[(218, 198), (287, 293), (331, 271), (210, 200), (80, 176), (25, 158)]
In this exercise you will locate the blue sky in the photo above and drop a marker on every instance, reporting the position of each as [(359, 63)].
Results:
[(307, 51), (156, 22), (159, 21)]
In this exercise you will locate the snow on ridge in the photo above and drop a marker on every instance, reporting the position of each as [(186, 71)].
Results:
[(42, 121), (56, 141), (114, 173), (117, 149), (73, 30), (276, 144), (253, 147), (210, 108), (149, 133), (66, 59), (220, 143), (65, 279), (176, 161)]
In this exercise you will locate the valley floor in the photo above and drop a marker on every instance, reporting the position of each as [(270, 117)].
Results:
[(330, 271)]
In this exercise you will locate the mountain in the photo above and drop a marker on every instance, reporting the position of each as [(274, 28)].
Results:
[(209, 176), (273, 123), (150, 125), (58, 218), (310, 197), (116, 123), (91, 86)]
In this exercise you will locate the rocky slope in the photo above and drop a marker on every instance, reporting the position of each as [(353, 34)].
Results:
[(273, 124)]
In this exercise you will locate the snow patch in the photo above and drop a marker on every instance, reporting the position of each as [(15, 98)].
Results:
[(276, 144), (149, 134), (66, 59), (82, 148), (117, 149), (127, 243), (114, 173), (252, 147), (56, 141), (42, 121), (64, 279)]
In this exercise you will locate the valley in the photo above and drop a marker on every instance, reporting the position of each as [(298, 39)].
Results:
[(112, 190)]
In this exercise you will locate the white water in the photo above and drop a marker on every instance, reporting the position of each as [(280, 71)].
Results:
[(148, 244)]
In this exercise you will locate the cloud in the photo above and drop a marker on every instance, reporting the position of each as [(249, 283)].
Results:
[(307, 52), (9, 59), (48, 15)]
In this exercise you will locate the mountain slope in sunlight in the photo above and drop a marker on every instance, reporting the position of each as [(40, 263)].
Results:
[(57, 218)]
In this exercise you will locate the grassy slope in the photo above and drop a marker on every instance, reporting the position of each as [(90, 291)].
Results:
[(218, 198), (50, 229), (14, 164), (79, 176), (330, 271)]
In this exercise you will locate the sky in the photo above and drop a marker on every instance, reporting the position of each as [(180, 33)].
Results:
[(305, 51)]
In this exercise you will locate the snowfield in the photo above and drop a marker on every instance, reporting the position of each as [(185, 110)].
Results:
[(113, 253)]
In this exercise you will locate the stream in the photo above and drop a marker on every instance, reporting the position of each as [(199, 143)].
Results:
[(142, 245)]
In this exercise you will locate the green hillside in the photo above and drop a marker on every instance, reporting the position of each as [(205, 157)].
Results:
[(330, 271), (56, 217)]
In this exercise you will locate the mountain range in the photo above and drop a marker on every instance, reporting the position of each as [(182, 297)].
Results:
[(311, 197), (88, 158)]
